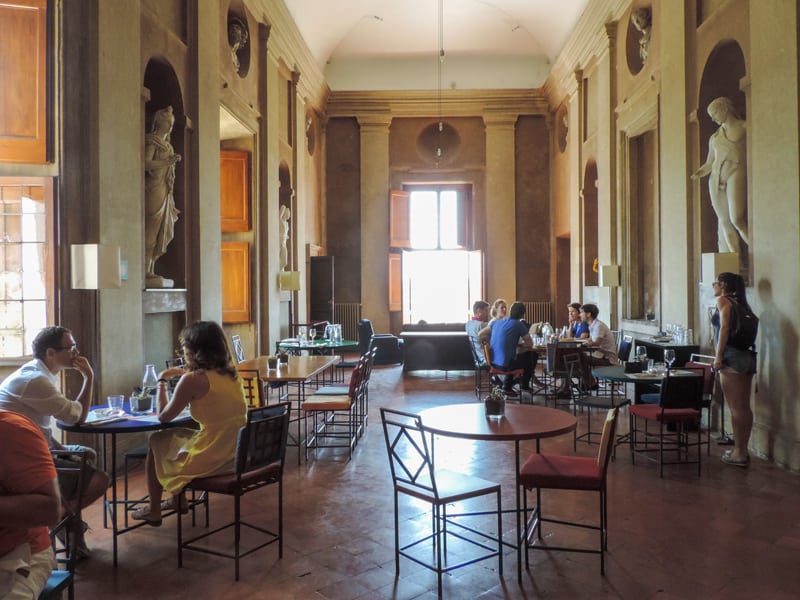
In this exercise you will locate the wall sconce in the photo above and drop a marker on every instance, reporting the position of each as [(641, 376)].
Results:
[(714, 263), (95, 267), (289, 281), (609, 275)]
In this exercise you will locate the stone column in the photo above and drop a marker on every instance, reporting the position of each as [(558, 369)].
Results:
[(375, 219), (501, 231)]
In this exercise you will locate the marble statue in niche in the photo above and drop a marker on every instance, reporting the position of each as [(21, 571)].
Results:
[(237, 39), (284, 215), (641, 19), (160, 211), (726, 166)]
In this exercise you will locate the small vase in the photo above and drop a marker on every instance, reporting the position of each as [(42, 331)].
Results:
[(495, 407)]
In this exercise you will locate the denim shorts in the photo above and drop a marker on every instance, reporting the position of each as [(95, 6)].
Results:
[(739, 361)]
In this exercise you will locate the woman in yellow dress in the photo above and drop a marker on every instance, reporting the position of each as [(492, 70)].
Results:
[(211, 388)]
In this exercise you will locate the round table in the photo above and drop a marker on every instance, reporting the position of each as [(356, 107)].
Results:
[(520, 422), (128, 424)]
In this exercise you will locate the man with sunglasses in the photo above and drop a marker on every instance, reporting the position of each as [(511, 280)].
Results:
[(33, 391)]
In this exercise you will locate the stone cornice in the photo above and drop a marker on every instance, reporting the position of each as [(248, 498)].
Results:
[(286, 43), (429, 103), (589, 39)]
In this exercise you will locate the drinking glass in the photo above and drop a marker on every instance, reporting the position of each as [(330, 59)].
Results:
[(312, 333), (641, 353), (669, 357), (115, 404)]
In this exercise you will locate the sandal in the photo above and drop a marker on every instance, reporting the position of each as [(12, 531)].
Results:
[(169, 504), (143, 514), (735, 461)]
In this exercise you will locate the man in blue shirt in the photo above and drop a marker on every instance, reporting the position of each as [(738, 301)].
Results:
[(511, 347)]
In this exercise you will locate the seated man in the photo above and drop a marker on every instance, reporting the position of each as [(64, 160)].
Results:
[(606, 353), (29, 502), (479, 320), (512, 347), (32, 391)]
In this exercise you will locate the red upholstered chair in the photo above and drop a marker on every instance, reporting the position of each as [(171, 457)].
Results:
[(495, 371), (260, 453), (679, 408), (567, 472)]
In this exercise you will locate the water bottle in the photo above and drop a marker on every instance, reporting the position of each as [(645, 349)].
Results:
[(149, 385)]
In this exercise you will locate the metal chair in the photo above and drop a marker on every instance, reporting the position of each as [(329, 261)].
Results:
[(260, 454), (557, 472), (482, 385), (253, 387), (701, 361), (581, 384), (413, 474), (679, 406), (65, 534), (238, 351)]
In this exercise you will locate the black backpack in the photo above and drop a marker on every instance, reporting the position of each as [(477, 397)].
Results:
[(744, 327)]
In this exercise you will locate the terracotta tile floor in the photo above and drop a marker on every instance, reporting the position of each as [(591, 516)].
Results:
[(732, 533)]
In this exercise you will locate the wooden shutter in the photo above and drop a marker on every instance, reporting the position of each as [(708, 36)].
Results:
[(399, 219), (234, 195), (235, 282), (395, 283), (23, 65)]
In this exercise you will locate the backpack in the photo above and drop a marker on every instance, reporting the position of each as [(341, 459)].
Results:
[(744, 327)]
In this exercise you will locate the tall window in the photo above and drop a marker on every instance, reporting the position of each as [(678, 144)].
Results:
[(435, 220), (439, 277), (26, 262)]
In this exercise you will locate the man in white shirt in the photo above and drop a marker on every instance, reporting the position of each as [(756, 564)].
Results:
[(606, 353), (32, 391), (479, 320)]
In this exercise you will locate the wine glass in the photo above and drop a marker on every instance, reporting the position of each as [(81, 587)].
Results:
[(312, 333), (669, 357), (641, 353)]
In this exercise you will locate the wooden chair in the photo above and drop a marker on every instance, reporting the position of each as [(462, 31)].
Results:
[(560, 472), (413, 475), (260, 454), (253, 387)]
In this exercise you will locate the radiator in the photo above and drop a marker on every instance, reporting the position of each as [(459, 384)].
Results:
[(539, 312), (348, 314)]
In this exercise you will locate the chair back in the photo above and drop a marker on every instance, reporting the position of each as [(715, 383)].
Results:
[(487, 353), (624, 350), (409, 459), (253, 387), (708, 375), (607, 440), (476, 359), (683, 391), (72, 466), (365, 332), (238, 351), (262, 441)]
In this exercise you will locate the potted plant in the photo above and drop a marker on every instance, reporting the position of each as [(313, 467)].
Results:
[(495, 403), (283, 357)]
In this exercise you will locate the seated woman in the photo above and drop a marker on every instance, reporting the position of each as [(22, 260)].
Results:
[(211, 388), (499, 310), (576, 327)]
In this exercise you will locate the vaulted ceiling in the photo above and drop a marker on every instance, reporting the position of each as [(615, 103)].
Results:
[(395, 44)]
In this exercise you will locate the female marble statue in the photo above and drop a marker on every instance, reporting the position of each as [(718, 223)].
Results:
[(160, 211), (726, 164), (284, 214)]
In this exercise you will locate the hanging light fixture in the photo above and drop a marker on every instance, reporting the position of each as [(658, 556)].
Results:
[(439, 65)]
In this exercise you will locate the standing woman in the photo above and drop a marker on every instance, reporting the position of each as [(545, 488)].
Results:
[(212, 389), (736, 364)]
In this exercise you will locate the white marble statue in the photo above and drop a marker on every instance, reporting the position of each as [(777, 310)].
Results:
[(726, 166), (285, 214), (160, 211), (641, 19)]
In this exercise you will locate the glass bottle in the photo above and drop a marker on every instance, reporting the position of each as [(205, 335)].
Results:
[(149, 386)]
